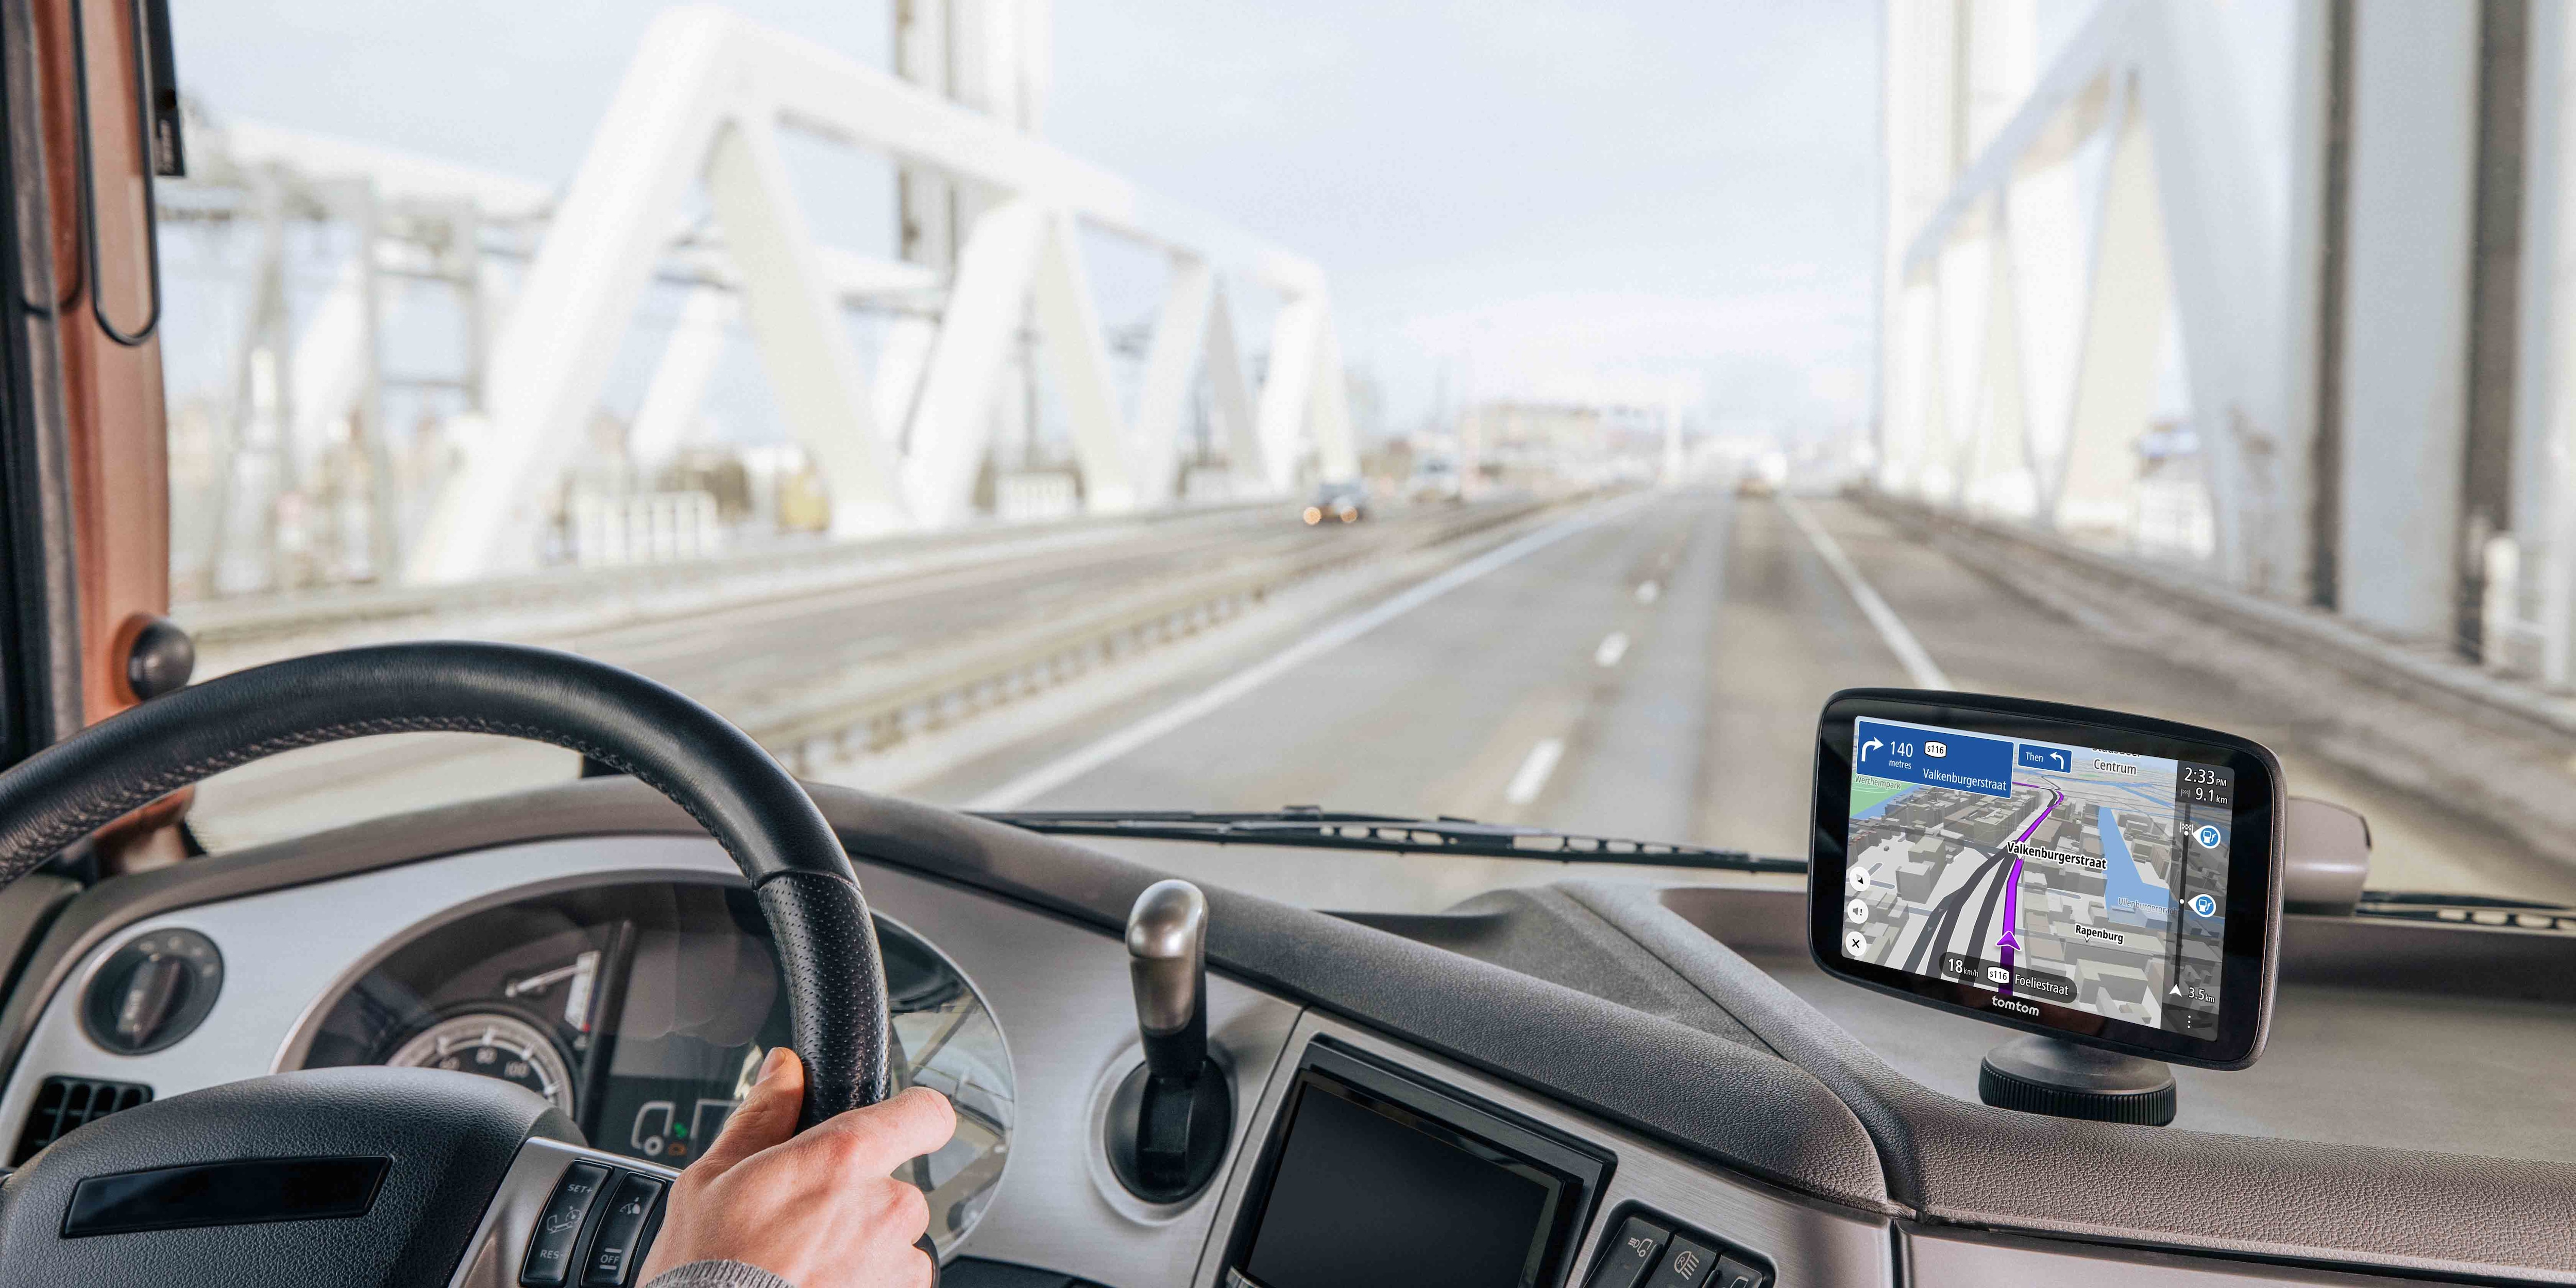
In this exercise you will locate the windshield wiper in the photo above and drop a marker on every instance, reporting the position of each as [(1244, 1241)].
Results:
[(2475, 909), (1319, 829), (1316, 828)]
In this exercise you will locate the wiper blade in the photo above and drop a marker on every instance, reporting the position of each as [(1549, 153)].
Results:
[(1393, 833), (1389, 833), (2435, 899), (2473, 909)]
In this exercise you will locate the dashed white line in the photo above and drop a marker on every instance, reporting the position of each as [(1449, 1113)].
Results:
[(1056, 773), (1648, 592), (1532, 778), (1613, 647), (1918, 664)]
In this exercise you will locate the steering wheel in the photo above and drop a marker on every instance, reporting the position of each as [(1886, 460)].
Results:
[(439, 1143)]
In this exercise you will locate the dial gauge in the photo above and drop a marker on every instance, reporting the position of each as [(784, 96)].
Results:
[(496, 1046)]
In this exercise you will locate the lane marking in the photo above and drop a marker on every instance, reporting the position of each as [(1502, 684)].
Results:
[(1532, 778), (1918, 664), (1648, 592), (1613, 647), (1056, 773)]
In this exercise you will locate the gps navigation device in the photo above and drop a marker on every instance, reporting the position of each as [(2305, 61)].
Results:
[(2105, 879)]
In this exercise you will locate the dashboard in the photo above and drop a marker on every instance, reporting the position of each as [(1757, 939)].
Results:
[(1595, 1107), (354, 968)]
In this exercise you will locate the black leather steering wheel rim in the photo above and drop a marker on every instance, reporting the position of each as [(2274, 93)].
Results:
[(802, 878)]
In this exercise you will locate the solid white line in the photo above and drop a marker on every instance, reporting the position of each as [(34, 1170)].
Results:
[(1918, 664), (1532, 778), (1056, 773), (1613, 647)]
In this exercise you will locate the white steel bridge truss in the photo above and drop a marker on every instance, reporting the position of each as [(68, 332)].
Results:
[(2380, 369), (2031, 289), (899, 446)]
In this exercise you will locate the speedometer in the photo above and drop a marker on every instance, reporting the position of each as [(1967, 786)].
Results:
[(496, 1046)]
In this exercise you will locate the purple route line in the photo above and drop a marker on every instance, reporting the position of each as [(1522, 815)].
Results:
[(2012, 888), (2055, 797)]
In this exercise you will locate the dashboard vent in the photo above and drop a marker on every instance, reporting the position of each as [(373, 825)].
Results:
[(63, 1104)]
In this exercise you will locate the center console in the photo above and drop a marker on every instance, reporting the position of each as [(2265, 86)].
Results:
[(1371, 1165)]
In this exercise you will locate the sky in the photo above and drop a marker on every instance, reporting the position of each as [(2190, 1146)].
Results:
[(1529, 192), (1512, 198)]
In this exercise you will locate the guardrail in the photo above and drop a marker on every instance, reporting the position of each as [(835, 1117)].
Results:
[(256, 628)]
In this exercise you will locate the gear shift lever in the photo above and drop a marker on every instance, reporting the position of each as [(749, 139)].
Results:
[(1167, 960), (1170, 1120)]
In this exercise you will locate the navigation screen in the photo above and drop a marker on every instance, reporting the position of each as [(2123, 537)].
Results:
[(2041, 871)]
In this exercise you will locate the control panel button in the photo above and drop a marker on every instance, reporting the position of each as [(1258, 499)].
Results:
[(1687, 1264), (612, 1250), (559, 1227), (1732, 1273), (153, 991), (1630, 1254)]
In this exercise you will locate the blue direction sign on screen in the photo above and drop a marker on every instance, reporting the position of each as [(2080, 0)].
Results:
[(1933, 757), (2034, 756)]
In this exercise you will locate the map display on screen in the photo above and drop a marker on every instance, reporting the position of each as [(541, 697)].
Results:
[(2040, 871)]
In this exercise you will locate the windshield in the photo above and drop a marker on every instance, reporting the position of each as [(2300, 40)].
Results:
[(1526, 413)]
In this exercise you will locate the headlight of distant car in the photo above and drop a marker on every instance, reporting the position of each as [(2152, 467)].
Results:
[(1314, 514)]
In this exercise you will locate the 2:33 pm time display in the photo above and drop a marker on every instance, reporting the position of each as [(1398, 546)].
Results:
[(2202, 785)]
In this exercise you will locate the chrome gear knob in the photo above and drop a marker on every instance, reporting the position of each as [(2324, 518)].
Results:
[(1167, 962)]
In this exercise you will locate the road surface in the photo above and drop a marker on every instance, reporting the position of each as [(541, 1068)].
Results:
[(754, 656), (1652, 670)]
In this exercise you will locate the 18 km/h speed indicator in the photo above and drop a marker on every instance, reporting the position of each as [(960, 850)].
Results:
[(496, 1046)]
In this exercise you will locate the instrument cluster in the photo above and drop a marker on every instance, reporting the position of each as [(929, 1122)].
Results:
[(643, 1010)]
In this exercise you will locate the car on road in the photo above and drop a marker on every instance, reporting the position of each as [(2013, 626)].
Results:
[(1338, 502)]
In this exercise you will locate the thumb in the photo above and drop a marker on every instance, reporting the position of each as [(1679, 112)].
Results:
[(766, 1117)]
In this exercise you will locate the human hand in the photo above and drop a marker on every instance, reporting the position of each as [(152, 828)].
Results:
[(819, 1210)]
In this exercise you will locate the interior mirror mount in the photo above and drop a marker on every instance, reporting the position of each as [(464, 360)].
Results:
[(2325, 857)]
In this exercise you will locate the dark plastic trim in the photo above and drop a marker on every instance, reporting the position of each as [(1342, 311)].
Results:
[(1579, 1171), (235, 1192), (40, 658)]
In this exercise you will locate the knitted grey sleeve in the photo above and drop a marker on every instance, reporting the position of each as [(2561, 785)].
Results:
[(717, 1274)]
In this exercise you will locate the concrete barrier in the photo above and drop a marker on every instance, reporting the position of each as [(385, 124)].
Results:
[(233, 633)]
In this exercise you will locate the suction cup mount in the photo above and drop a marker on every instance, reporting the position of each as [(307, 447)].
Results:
[(2038, 1075)]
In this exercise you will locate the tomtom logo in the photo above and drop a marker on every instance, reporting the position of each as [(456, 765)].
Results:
[(2025, 1008)]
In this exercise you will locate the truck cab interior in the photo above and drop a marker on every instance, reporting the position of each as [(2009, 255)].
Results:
[(2028, 990)]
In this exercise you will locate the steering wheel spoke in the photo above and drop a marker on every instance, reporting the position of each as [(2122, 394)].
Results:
[(552, 1222)]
